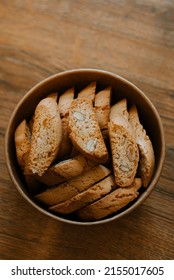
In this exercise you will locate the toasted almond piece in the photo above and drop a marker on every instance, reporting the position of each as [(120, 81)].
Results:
[(79, 116), (86, 134), (111, 203), (88, 92), (73, 186), (46, 135), (86, 197), (22, 139), (147, 157), (91, 144)]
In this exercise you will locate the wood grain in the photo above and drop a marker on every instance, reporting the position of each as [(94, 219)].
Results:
[(134, 39)]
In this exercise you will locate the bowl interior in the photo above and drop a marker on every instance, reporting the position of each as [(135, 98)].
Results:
[(79, 79)]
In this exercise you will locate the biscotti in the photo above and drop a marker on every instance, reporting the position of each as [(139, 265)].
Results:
[(147, 157), (65, 145), (125, 154), (84, 131), (74, 186), (49, 178), (65, 101), (102, 107), (110, 203), (86, 197), (88, 92), (66, 169), (72, 167), (22, 139), (46, 135), (119, 114)]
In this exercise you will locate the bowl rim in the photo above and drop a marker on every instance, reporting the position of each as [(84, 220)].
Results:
[(140, 199)]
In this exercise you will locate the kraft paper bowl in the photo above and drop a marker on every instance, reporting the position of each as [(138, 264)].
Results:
[(80, 78)]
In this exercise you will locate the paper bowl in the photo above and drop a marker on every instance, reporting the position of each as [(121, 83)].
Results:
[(79, 78)]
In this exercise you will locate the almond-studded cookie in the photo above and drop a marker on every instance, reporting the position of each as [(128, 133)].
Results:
[(85, 132), (46, 135), (147, 157), (125, 153)]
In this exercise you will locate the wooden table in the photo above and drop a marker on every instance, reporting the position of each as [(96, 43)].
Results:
[(134, 39)]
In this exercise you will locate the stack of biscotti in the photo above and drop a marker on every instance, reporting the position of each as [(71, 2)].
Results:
[(83, 154)]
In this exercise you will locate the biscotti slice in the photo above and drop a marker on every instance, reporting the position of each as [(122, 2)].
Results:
[(73, 186), (88, 92), (125, 153), (65, 101), (46, 135), (147, 157), (119, 109), (22, 138), (49, 178), (66, 144), (86, 197), (72, 167), (119, 114), (85, 132), (110, 203), (66, 169), (102, 107)]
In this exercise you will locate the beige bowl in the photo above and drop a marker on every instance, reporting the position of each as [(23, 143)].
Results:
[(81, 78)]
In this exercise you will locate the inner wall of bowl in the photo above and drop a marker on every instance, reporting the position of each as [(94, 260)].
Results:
[(79, 79)]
